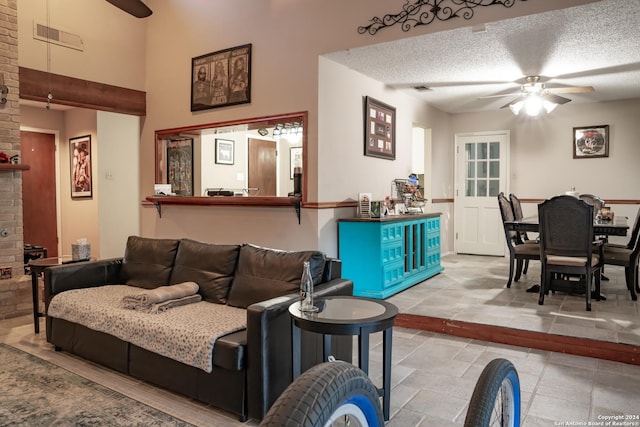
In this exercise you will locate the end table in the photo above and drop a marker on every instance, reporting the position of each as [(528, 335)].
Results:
[(348, 316)]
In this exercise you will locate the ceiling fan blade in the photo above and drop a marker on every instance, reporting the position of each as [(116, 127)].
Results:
[(499, 96), (574, 89), (431, 85), (133, 7), (555, 98), (520, 98)]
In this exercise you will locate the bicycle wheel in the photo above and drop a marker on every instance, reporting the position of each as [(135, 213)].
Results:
[(496, 397), (329, 394)]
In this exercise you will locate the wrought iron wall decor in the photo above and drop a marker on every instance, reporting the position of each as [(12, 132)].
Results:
[(423, 12)]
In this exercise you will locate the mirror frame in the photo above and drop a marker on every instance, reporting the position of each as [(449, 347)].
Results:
[(253, 123)]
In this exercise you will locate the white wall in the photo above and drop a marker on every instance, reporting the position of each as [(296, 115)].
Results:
[(116, 174)]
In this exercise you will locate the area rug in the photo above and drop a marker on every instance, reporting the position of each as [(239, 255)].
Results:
[(34, 392)]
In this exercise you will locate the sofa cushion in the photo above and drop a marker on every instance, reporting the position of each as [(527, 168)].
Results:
[(264, 273), (148, 262), (210, 266)]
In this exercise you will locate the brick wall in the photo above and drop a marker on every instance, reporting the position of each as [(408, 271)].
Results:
[(15, 293)]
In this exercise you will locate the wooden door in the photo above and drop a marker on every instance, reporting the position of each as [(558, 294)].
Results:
[(263, 166), (39, 190)]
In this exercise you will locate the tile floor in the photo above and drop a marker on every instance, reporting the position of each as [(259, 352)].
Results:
[(433, 375)]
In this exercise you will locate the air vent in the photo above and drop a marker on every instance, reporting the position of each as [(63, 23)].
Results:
[(422, 88), (56, 36)]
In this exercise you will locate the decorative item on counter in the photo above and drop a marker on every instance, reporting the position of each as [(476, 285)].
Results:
[(81, 250), (15, 159), (306, 290), (375, 209), (407, 192), (364, 205), (388, 207), (4, 157)]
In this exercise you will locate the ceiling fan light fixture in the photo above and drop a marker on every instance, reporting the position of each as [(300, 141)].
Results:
[(533, 104), (516, 107)]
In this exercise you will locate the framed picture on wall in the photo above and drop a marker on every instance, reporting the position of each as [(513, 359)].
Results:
[(224, 151), (590, 142), (80, 163), (180, 166), (221, 78), (379, 129)]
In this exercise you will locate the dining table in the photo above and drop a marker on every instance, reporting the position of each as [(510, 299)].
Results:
[(616, 227)]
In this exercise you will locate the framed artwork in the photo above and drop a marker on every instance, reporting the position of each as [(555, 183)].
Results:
[(379, 129), (180, 166), (224, 151), (590, 142), (295, 159), (80, 163), (221, 78)]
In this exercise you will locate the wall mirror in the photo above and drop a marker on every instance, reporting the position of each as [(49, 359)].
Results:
[(243, 158)]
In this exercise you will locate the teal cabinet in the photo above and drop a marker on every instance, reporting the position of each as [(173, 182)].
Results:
[(385, 256)]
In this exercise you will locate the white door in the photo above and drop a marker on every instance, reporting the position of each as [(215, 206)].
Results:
[(482, 170)]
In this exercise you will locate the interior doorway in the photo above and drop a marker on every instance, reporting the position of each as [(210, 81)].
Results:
[(39, 195)]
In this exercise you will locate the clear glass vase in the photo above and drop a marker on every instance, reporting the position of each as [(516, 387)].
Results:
[(306, 290)]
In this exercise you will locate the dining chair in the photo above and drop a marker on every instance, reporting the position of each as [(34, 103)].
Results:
[(597, 203), (567, 248), (516, 205), (627, 256), (519, 253)]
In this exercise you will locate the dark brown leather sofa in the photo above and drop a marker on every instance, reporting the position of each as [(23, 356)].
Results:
[(252, 367)]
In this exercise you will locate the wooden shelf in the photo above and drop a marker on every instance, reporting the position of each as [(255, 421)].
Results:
[(13, 167), (158, 201)]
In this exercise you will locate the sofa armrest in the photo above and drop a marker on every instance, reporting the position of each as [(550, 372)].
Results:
[(65, 277), (269, 365), (60, 278)]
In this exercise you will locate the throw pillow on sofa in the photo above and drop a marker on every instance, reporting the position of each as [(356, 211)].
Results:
[(211, 266), (148, 262), (264, 273)]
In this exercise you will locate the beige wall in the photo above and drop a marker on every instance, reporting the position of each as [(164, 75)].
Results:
[(114, 43)]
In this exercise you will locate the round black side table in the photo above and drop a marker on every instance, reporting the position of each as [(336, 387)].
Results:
[(349, 316)]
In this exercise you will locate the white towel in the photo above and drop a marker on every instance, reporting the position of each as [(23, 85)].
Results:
[(166, 305), (145, 300)]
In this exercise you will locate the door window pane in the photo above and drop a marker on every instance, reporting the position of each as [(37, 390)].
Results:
[(494, 169), (494, 150), (470, 151), (471, 170), (482, 169), (482, 188), (482, 150), (470, 186)]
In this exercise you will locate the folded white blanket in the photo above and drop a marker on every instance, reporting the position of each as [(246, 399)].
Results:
[(145, 300), (166, 305)]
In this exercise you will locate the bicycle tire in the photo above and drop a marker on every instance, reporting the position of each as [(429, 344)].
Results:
[(499, 380), (322, 391)]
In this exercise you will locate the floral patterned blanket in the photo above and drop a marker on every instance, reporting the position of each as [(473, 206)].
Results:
[(186, 333)]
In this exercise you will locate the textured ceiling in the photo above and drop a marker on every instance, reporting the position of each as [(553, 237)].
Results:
[(597, 45)]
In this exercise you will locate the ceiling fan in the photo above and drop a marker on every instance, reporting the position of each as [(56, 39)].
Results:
[(534, 88), (133, 7)]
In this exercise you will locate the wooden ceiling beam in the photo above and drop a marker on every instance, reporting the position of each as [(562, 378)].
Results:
[(35, 85)]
